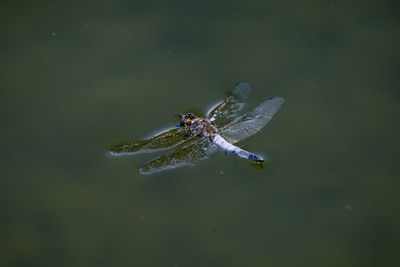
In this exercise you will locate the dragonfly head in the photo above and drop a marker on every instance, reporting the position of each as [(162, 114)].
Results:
[(187, 119)]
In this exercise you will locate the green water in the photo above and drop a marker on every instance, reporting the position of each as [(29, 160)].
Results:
[(76, 77)]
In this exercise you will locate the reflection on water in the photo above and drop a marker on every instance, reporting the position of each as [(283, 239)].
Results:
[(75, 77)]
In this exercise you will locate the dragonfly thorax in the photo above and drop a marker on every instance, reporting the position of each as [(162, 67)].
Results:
[(198, 126)]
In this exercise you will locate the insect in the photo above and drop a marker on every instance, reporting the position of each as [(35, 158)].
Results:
[(197, 138)]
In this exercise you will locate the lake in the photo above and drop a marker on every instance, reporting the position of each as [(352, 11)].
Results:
[(77, 77)]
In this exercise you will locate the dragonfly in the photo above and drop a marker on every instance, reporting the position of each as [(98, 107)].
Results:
[(197, 138)]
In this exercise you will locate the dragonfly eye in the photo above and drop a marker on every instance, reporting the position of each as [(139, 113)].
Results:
[(190, 116)]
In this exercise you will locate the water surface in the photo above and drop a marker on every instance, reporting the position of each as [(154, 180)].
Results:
[(77, 77)]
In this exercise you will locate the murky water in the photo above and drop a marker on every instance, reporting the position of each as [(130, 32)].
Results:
[(77, 77)]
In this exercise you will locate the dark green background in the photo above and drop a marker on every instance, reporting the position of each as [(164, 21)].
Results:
[(76, 76)]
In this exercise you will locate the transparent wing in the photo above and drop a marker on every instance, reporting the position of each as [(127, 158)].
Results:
[(163, 140), (252, 122), (233, 103), (193, 150)]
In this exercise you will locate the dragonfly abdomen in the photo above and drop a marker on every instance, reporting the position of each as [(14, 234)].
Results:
[(222, 143)]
